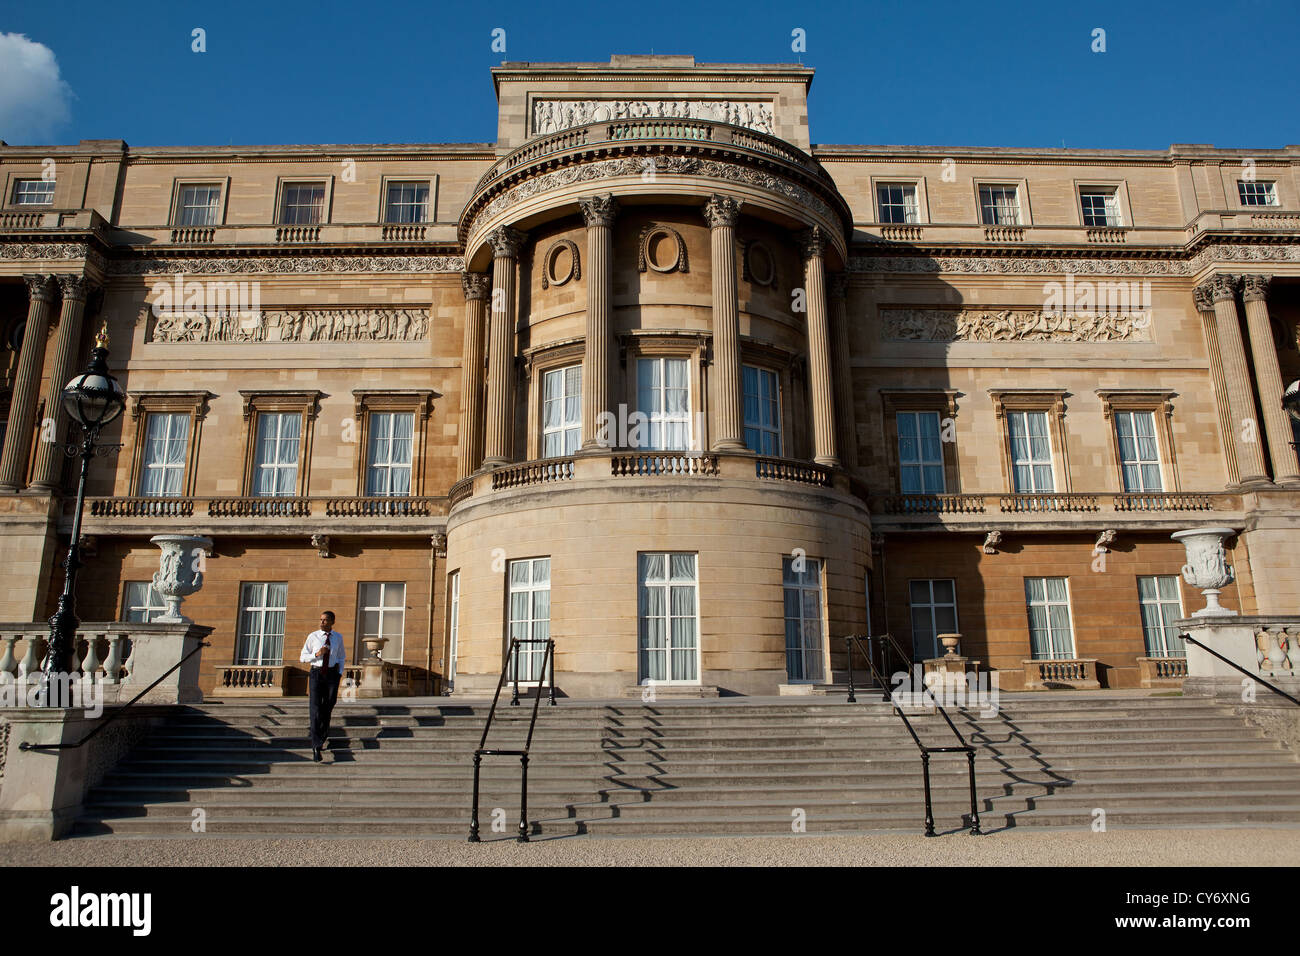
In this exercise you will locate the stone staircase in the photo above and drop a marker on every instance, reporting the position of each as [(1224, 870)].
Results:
[(733, 767)]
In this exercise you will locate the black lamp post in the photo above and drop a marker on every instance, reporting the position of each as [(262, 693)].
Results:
[(92, 399)]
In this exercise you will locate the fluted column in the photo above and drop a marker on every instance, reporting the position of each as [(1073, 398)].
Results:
[(1236, 376), (470, 444), (1204, 298), (49, 454), (843, 369), (819, 349), (598, 212), (721, 213), (31, 361), (1268, 380), (499, 426)]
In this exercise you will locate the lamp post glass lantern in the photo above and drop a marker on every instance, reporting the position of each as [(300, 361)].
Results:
[(92, 399)]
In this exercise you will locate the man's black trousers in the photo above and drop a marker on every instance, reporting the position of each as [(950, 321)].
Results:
[(323, 691)]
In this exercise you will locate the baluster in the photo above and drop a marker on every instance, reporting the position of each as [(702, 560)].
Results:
[(113, 665), (8, 663), (90, 665), (31, 663), (128, 660)]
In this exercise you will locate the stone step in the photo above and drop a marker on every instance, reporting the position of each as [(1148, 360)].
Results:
[(721, 824)]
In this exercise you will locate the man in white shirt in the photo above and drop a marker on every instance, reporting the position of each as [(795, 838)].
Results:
[(324, 651)]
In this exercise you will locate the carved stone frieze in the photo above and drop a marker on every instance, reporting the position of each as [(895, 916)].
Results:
[(44, 250), (1012, 325), (663, 165), (1172, 265), (553, 116), (294, 325), (288, 265)]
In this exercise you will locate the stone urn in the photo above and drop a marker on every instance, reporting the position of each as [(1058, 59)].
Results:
[(949, 642), (178, 575), (374, 647), (1207, 566)]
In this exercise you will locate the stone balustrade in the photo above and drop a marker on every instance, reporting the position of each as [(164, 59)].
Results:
[(120, 659), (1120, 511), (1073, 673), (396, 514), (251, 680), (1161, 671), (1267, 646)]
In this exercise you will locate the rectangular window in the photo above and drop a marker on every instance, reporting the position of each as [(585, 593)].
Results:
[(275, 467), (1000, 205), (1050, 633), (166, 443), (762, 410), (530, 615), (664, 397), (1100, 205), (141, 603), (667, 609), (199, 206), (1162, 604), (381, 612), (1257, 193), (407, 202), (1139, 453), (261, 623), (934, 612), (801, 579), (561, 411), (897, 202), (1031, 453), (388, 461), (453, 630), (920, 454), (33, 192), (303, 205)]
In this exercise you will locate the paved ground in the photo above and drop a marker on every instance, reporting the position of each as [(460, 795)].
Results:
[(1173, 847)]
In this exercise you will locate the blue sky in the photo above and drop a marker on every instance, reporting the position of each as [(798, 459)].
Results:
[(929, 72)]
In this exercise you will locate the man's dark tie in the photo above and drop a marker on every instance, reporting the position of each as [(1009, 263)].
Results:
[(325, 654)]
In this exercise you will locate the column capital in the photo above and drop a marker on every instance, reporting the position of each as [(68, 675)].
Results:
[(1255, 288), (75, 286), (1221, 286), (598, 210), (40, 288), (475, 285), (812, 243), (721, 210), (1203, 296), (505, 242)]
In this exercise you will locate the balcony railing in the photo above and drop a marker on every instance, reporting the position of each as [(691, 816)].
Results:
[(663, 463), (532, 473), (783, 469), (194, 511), (953, 508)]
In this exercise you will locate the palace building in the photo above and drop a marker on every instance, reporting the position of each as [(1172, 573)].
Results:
[(659, 377)]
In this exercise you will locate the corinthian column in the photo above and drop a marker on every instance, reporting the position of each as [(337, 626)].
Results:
[(598, 212), (1236, 375), (505, 244), (721, 213), (843, 369), (469, 446), (49, 454), (1268, 380), (31, 360), (1204, 298), (819, 349)]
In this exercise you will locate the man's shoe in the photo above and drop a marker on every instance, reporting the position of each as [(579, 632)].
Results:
[(315, 754)]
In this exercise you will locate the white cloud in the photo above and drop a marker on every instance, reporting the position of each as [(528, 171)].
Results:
[(33, 99)]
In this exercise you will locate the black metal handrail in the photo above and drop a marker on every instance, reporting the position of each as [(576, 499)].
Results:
[(27, 745), (887, 643), (548, 666), (1255, 677)]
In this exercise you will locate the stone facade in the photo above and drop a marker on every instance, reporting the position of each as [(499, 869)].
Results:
[(652, 319)]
